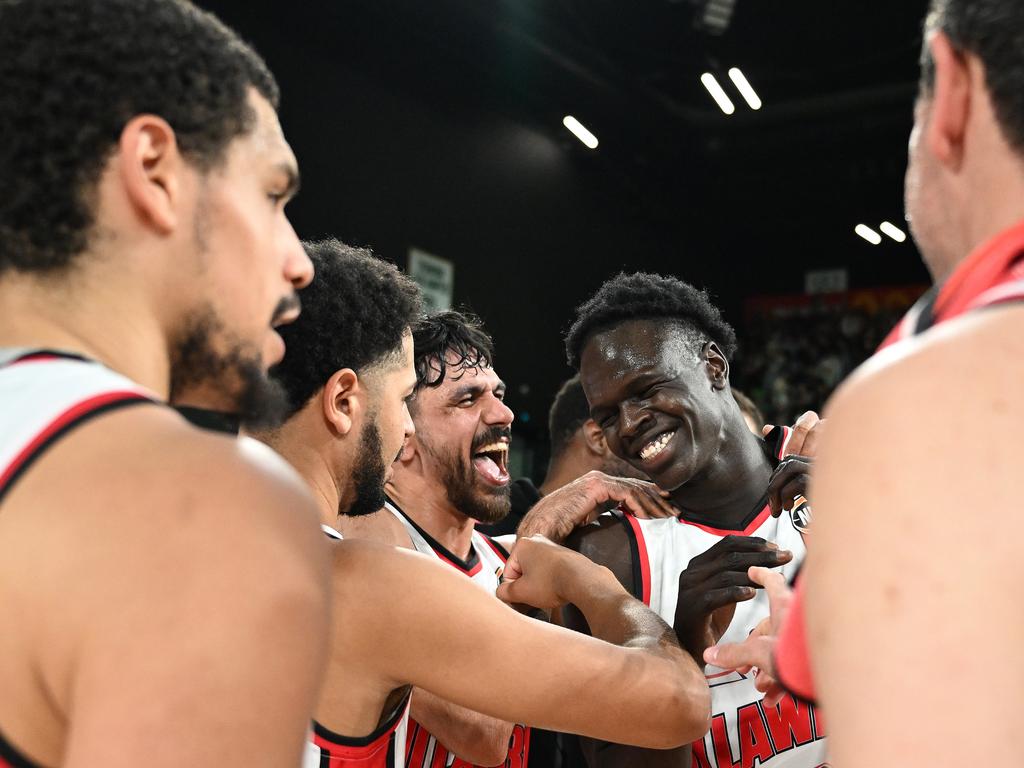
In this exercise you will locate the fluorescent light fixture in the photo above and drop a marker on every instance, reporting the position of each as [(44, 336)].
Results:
[(894, 232), (868, 234), (720, 96), (579, 131), (744, 87)]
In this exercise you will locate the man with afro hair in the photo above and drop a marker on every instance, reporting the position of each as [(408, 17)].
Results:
[(653, 355)]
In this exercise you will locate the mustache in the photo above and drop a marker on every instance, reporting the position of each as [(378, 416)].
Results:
[(291, 303), (491, 435)]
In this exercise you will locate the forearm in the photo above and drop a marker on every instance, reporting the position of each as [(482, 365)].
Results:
[(616, 617), (602, 754), (473, 737)]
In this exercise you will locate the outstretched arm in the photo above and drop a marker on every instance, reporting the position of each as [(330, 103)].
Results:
[(445, 635)]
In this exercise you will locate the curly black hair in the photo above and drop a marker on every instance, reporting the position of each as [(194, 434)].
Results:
[(569, 412), (441, 335), (354, 315), (73, 73), (645, 296)]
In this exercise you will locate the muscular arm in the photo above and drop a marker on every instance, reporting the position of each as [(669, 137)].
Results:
[(646, 691), (605, 542), (912, 583), (180, 585)]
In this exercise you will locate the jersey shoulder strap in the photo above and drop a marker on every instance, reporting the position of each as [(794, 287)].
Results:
[(44, 396)]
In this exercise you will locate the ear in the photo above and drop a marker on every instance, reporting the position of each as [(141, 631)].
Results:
[(950, 103), (409, 450), (151, 169), (342, 400), (716, 366), (593, 438)]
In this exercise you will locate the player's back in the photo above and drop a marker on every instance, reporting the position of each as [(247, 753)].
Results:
[(137, 557)]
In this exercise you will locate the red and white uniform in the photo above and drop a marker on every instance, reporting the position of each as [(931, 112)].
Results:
[(484, 566), (992, 276), (743, 731), (44, 395)]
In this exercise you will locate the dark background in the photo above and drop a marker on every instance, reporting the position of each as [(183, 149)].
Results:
[(437, 124)]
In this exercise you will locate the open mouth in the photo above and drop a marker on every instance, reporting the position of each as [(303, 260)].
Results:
[(491, 462), (657, 446)]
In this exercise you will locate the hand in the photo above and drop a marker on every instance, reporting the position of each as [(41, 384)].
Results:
[(788, 481), (806, 433), (757, 651), (581, 501), (543, 574), (717, 580)]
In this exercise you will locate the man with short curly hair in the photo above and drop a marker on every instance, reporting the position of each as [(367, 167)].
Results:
[(151, 574), (653, 355)]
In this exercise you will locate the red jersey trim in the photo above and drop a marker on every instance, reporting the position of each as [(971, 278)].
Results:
[(351, 747), (498, 549), (72, 417), (754, 524), (471, 572), (645, 561)]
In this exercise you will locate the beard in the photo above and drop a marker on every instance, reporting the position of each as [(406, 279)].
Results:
[(211, 367), (457, 475), (368, 474)]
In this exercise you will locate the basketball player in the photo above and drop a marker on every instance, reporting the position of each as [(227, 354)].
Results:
[(402, 619), (152, 575), (921, 628), (653, 355)]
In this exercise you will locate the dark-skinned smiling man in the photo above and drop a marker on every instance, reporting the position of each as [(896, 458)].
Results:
[(653, 355)]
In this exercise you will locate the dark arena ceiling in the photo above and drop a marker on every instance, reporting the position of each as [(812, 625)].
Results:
[(438, 125)]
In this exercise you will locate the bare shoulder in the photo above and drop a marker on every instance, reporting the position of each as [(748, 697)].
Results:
[(381, 526), (960, 379)]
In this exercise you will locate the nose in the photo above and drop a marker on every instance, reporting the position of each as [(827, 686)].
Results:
[(631, 416), (298, 269), (499, 414), (409, 425)]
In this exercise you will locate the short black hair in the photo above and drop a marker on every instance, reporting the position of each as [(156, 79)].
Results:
[(73, 73), (441, 334), (354, 315), (645, 296), (569, 412), (993, 30)]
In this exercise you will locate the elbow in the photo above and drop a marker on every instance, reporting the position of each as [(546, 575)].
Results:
[(685, 716), (490, 748)]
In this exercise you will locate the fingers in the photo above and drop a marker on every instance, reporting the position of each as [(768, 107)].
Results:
[(767, 428), (801, 429), (752, 652), (779, 593), (774, 695), (789, 480)]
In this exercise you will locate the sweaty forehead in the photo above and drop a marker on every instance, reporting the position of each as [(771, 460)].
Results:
[(635, 348)]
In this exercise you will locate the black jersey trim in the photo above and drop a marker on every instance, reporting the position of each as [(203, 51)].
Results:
[(45, 354), (389, 725), (11, 757), (466, 565), (634, 557), (24, 461)]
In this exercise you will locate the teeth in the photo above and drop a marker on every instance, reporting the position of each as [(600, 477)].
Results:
[(493, 447), (656, 446)]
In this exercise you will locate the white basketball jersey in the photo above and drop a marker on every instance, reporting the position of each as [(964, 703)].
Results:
[(44, 395), (743, 732), (484, 566)]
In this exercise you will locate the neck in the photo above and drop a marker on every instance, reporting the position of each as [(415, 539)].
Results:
[(727, 490), (86, 314), (427, 503), (315, 469)]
